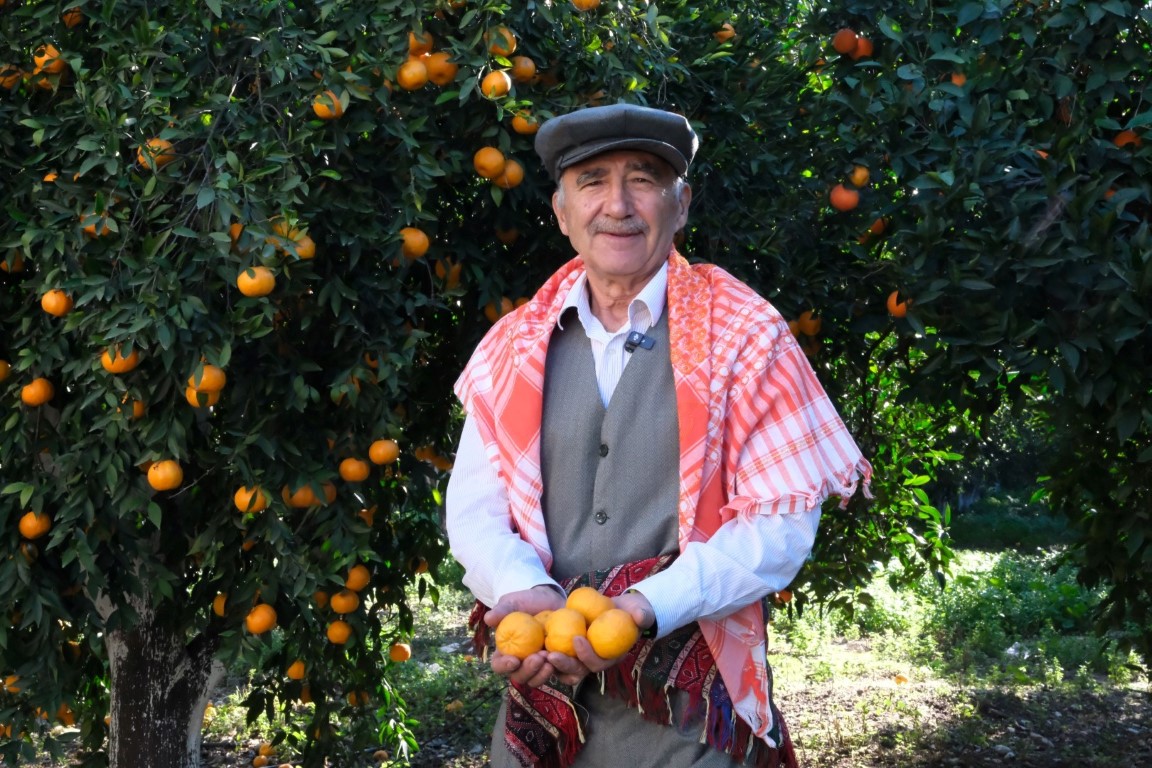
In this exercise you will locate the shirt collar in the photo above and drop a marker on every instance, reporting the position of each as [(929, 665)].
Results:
[(653, 297)]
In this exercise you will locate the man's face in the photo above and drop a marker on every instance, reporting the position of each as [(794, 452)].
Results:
[(620, 210)]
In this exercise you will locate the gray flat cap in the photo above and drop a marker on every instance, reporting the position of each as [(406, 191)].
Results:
[(568, 139)]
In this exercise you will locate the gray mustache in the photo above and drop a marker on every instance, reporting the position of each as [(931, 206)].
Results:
[(620, 227)]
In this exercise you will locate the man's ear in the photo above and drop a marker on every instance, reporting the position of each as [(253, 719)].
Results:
[(685, 204), (559, 211)]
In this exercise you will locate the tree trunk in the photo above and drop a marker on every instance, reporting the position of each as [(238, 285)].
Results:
[(160, 689)]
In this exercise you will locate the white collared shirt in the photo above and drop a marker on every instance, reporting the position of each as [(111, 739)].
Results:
[(608, 350), (747, 558)]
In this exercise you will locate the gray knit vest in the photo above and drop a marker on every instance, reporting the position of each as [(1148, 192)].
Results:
[(611, 475)]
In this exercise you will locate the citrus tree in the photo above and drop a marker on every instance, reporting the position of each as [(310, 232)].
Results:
[(1004, 211)]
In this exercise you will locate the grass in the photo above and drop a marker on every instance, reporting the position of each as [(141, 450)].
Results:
[(1001, 664)]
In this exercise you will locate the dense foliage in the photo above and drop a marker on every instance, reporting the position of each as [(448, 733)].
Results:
[(1001, 198)]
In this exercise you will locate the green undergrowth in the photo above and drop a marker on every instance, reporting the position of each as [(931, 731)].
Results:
[(1003, 617)]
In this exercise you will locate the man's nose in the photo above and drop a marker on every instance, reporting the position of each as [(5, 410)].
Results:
[(619, 202)]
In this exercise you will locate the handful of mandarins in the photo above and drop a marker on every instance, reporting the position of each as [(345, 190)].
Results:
[(609, 630)]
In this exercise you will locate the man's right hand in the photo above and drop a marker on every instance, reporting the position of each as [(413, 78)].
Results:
[(535, 670)]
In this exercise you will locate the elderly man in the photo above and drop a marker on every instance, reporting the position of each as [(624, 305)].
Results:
[(648, 427)]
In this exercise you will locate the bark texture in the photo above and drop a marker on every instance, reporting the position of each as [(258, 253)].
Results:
[(160, 688)]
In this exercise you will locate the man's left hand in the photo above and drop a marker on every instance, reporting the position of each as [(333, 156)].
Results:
[(571, 671)]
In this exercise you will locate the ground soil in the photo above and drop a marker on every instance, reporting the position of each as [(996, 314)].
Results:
[(868, 713), (863, 710)]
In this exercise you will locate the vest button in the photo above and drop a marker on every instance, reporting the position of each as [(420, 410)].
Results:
[(603, 449), (601, 517)]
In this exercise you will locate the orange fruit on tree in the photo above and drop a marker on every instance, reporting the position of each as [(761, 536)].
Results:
[(260, 619), (320, 597), (562, 626), (520, 635), (220, 604), (400, 652), (844, 41), (512, 175), (13, 263), (507, 236), (37, 392), (358, 577), (589, 603), (414, 243), (250, 499), (384, 451), (843, 199), (1127, 137), (115, 361), (72, 17), (344, 601), (613, 633), (897, 307), (304, 247), (863, 48), (501, 41), (95, 224), (808, 323), (339, 631), (783, 596), (166, 474), (441, 69), (56, 302), (368, 515), (296, 670), (412, 75), (10, 76), (489, 162), (494, 312), (523, 69), (958, 79), (256, 281), (299, 498), (33, 525), (327, 105), (235, 229), (5, 369), (138, 408), (495, 84), (725, 33), (155, 154), (354, 470), (860, 175), (198, 399), (420, 42), (524, 124), (48, 59), (208, 378), (585, 5)]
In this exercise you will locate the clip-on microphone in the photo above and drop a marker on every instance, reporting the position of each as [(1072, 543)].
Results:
[(637, 339)]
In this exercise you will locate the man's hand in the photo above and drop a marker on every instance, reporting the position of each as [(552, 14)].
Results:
[(638, 608), (534, 670), (537, 669)]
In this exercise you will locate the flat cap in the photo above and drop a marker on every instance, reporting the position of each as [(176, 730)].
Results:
[(568, 139)]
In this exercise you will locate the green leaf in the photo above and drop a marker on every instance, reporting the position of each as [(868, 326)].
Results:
[(205, 197)]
